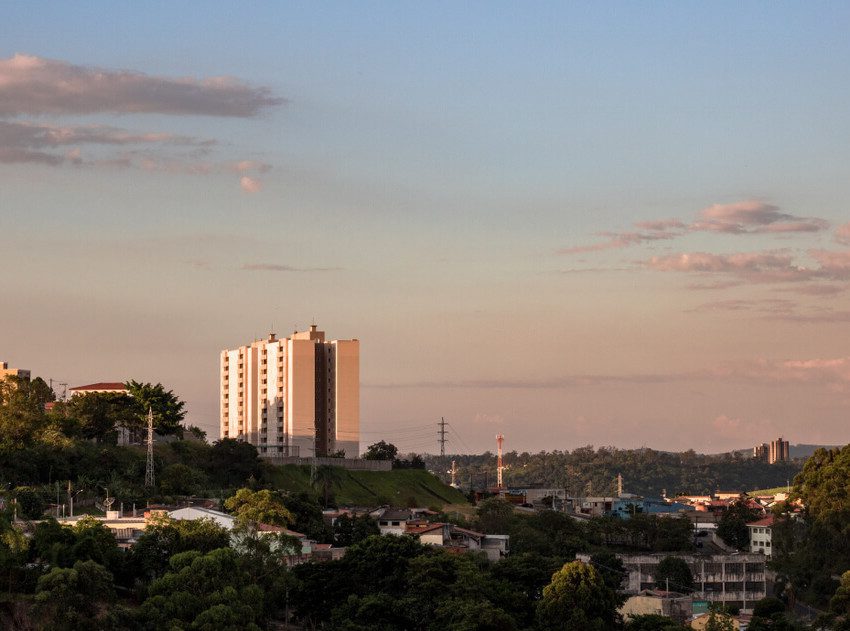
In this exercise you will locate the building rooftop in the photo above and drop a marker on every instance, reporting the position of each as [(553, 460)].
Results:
[(767, 521), (102, 385)]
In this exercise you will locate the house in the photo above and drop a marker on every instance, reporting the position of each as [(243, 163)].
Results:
[(457, 539), (761, 536), (197, 512), (674, 605), (393, 521), (103, 387)]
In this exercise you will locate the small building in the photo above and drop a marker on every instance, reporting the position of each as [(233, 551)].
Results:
[(679, 607), (102, 387), (19, 373), (761, 536)]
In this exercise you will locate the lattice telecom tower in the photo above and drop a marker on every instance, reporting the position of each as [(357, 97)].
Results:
[(149, 474)]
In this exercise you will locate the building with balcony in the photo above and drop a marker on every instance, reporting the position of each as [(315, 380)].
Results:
[(297, 396), (729, 579)]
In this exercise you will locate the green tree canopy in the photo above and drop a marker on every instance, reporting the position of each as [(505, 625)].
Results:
[(168, 409), (74, 598), (675, 572), (258, 507), (577, 598), (732, 527), (381, 450)]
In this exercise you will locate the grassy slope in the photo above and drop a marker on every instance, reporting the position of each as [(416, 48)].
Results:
[(773, 491), (372, 488)]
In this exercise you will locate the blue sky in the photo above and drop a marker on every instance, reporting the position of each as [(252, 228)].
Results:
[(424, 186)]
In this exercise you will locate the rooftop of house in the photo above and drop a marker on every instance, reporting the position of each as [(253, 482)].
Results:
[(766, 521), (100, 386)]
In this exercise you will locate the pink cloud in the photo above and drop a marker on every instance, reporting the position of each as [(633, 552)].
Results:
[(648, 231), (842, 234), (250, 184), (706, 262), (33, 85), (744, 217)]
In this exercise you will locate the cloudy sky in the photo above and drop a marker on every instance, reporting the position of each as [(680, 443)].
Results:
[(621, 224)]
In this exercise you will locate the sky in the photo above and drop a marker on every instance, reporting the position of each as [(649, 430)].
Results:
[(616, 224)]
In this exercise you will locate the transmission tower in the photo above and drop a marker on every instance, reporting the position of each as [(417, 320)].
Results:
[(442, 435), (149, 476)]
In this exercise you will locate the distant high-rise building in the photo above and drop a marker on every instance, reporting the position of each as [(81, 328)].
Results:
[(761, 452), (780, 451), (298, 396)]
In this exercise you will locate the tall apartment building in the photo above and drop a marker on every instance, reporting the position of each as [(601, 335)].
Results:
[(780, 451), (298, 396), (5, 371)]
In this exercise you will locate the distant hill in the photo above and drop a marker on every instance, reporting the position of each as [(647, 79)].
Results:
[(589, 471), (402, 487)]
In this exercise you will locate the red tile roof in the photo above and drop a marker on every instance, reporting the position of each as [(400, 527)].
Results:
[(767, 521), (103, 385)]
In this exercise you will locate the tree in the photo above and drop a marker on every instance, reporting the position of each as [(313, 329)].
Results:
[(30, 503), (164, 537), (73, 598), (324, 478), (577, 598), (258, 507), (308, 516), (719, 621), (21, 411), (675, 572), (495, 516), (840, 602), (611, 568), (168, 409), (732, 527), (351, 530), (381, 451), (232, 462), (653, 622), (181, 479), (97, 414), (204, 591)]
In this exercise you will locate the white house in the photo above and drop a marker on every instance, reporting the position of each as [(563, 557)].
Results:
[(761, 535)]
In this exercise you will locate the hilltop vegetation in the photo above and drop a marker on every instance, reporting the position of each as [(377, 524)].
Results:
[(590, 471)]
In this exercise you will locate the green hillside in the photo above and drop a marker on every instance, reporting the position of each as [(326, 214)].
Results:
[(403, 487)]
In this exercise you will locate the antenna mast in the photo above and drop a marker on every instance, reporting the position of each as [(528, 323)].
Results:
[(499, 440), (442, 434), (149, 474)]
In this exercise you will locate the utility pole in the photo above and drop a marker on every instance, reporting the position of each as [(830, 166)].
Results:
[(442, 434), (149, 472)]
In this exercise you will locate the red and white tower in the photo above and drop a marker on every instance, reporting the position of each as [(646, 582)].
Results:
[(499, 440)]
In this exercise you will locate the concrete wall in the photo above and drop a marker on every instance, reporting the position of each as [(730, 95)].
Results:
[(352, 464)]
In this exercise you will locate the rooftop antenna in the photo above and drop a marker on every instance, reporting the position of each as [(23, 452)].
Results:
[(149, 472), (499, 440)]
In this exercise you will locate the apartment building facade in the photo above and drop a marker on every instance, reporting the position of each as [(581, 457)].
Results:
[(730, 579), (297, 396)]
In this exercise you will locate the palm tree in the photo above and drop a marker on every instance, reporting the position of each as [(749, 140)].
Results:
[(324, 478)]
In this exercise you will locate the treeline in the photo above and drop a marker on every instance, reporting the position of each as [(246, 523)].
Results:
[(589, 471)]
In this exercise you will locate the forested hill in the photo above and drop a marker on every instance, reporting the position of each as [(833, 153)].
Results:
[(594, 471)]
